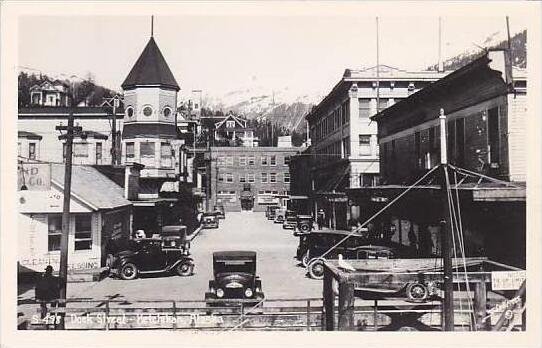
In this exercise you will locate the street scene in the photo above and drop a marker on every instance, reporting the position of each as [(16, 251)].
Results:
[(219, 186)]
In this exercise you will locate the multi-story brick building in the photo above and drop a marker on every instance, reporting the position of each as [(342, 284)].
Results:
[(343, 137), (248, 178)]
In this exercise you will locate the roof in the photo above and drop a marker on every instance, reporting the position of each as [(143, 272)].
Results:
[(29, 135), (64, 111), (234, 255), (91, 187), (150, 69)]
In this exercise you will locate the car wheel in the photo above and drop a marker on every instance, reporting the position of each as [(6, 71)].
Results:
[(316, 268), (305, 260), (305, 228), (417, 292), (280, 219), (185, 268), (128, 271)]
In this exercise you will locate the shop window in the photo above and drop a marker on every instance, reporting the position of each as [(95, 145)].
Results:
[(272, 177), (273, 160), (54, 232), (130, 152), (264, 160), (264, 178), (80, 150), (251, 177), (286, 178), (83, 232), (146, 150)]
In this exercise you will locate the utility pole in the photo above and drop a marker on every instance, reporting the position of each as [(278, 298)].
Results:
[(63, 269), (446, 231), (114, 103)]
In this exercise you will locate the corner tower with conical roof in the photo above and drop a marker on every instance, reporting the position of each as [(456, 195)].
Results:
[(149, 133)]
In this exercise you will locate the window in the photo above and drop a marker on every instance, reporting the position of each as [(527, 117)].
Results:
[(364, 145), (272, 177), (130, 111), (286, 177), (80, 150), (493, 135), (221, 177), (242, 177), (229, 160), (364, 108), (32, 151), (229, 177), (98, 153), (230, 124), (54, 231), (264, 178), (166, 154), (221, 161), (242, 161), (83, 232), (250, 177), (167, 111), (130, 153), (251, 160), (146, 149), (286, 160), (264, 160), (273, 161), (147, 111), (382, 104)]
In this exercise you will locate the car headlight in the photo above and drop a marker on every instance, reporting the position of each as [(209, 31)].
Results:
[(219, 293), (248, 292), (258, 290)]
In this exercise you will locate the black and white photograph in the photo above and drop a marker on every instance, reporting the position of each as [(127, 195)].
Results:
[(222, 167)]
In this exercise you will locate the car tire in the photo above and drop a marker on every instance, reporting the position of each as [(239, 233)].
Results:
[(128, 271), (416, 292), (184, 268), (316, 268), (305, 228), (305, 259)]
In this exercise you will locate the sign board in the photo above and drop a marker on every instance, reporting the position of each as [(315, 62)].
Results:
[(507, 280), (338, 199), (267, 199), (379, 199), (36, 176)]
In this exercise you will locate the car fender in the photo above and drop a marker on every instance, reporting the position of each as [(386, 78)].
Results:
[(184, 259)]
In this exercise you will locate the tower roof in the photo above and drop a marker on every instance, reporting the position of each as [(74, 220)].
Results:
[(150, 69)]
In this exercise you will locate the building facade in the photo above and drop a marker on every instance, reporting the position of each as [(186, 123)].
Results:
[(484, 105), (49, 93), (343, 138), (248, 178)]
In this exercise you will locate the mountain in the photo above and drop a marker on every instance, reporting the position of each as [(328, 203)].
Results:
[(518, 45)]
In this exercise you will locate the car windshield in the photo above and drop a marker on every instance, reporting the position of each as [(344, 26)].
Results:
[(234, 266)]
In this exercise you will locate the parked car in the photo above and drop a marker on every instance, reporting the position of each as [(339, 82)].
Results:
[(234, 279), (290, 220), (271, 211), (304, 223), (280, 215), (220, 212), (209, 220), (168, 253), (313, 249)]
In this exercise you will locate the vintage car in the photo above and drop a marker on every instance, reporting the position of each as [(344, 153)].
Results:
[(220, 212), (234, 279), (170, 252), (271, 211), (290, 220), (209, 220), (304, 223), (313, 248)]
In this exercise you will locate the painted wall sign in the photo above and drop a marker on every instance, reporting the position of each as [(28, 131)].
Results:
[(507, 280), (36, 176)]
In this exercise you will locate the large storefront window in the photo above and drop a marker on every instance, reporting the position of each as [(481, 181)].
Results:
[(54, 232), (83, 232)]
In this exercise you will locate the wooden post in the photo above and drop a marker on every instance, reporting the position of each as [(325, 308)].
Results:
[(375, 315), (329, 300), (346, 305), (174, 315), (480, 306), (308, 315)]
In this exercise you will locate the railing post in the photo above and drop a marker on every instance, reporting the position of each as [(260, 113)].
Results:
[(107, 315), (329, 301), (308, 315), (480, 306), (174, 315), (346, 305), (375, 315)]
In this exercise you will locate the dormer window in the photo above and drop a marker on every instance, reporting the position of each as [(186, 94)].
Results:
[(230, 124), (167, 111), (130, 111), (147, 111)]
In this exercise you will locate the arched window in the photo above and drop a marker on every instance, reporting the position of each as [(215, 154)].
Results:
[(130, 111), (167, 111)]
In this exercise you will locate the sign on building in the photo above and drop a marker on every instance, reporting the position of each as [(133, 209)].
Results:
[(35, 176), (507, 280)]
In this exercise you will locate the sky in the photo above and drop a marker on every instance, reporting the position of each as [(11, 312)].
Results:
[(218, 54)]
